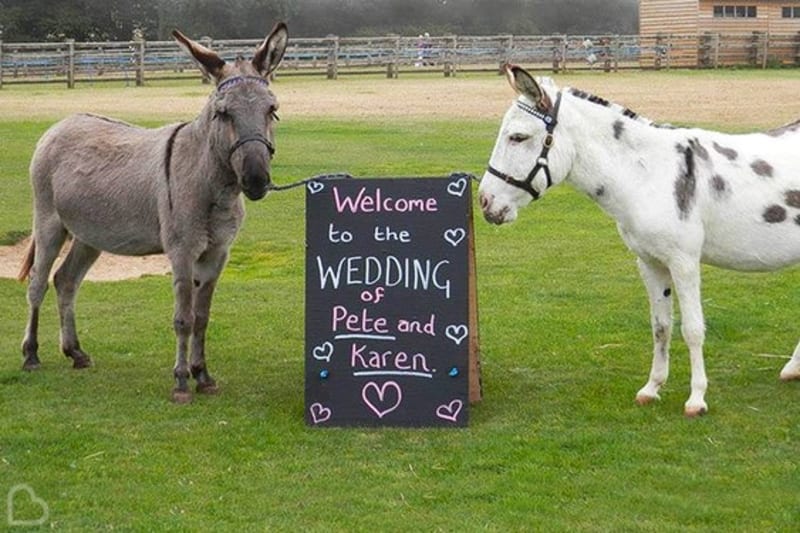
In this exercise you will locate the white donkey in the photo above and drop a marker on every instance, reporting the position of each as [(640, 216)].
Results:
[(679, 196)]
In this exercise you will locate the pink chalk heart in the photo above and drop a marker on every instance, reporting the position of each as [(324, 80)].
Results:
[(450, 411), (319, 413), (382, 399)]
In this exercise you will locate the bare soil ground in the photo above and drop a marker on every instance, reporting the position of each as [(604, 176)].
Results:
[(747, 102)]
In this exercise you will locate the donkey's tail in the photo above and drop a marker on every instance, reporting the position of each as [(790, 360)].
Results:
[(27, 263)]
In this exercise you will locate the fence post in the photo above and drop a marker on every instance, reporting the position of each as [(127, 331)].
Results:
[(456, 57), (765, 51), (508, 52), (716, 50), (70, 63), (139, 50), (616, 47), (1, 64), (797, 49), (392, 67), (333, 57), (450, 58)]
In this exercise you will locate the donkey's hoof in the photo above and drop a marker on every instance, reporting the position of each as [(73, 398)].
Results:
[(646, 399), (31, 363), (81, 361), (790, 372), (181, 396), (209, 387), (695, 411)]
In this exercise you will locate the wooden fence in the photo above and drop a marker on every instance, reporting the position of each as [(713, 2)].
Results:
[(136, 61)]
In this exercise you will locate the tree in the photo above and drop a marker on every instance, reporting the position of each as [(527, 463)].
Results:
[(27, 20)]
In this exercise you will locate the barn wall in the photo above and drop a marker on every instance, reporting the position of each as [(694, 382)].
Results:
[(660, 19), (695, 37)]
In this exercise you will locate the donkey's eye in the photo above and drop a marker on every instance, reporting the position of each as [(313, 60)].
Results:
[(519, 138), (221, 114)]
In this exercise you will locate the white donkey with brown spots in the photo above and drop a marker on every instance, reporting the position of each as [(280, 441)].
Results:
[(134, 191), (680, 197)]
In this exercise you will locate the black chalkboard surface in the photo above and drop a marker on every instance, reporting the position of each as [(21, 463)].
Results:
[(387, 302)]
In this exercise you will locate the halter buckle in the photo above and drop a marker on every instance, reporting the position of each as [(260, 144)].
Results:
[(548, 141)]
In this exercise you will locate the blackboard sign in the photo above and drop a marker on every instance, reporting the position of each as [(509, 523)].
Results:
[(388, 322)]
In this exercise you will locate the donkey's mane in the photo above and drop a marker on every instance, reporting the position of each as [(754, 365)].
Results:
[(622, 110)]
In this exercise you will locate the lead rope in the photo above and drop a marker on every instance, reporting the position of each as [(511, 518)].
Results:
[(300, 183), (345, 175)]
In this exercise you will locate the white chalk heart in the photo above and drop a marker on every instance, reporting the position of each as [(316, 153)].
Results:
[(455, 236), (35, 500), (450, 411), (319, 413), (323, 352), (314, 187), (456, 333), (382, 399), (457, 188)]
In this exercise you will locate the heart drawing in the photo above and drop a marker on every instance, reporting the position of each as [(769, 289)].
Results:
[(44, 510), (455, 236), (457, 188), (450, 411), (323, 352), (314, 187), (319, 413), (456, 333), (382, 399)]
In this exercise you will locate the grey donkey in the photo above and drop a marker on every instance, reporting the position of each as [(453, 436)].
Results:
[(134, 191)]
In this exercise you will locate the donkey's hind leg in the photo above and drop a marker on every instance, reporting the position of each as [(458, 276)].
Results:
[(67, 280), (658, 282), (791, 371), (48, 238)]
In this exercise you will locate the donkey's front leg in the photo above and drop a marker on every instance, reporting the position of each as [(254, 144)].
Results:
[(686, 276), (183, 323), (658, 283), (206, 274)]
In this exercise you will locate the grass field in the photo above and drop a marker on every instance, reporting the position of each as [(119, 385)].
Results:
[(558, 444)]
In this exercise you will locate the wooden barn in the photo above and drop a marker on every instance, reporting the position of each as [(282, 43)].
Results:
[(691, 33)]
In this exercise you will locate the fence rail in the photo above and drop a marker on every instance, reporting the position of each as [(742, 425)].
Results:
[(135, 61)]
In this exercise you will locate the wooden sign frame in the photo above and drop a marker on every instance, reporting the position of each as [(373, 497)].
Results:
[(391, 351)]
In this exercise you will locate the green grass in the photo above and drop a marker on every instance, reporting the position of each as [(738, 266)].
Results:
[(558, 443)]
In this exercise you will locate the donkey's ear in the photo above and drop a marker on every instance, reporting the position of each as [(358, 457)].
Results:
[(269, 55), (208, 61), (522, 82)]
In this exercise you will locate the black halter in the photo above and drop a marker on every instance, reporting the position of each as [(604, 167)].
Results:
[(256, 137), (550, 121)]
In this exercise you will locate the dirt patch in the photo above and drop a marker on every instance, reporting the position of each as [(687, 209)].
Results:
[(699, 98), (109, 267)]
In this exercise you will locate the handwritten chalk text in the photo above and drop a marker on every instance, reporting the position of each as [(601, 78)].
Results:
[(388, 271), (364, 202), (363, 359)]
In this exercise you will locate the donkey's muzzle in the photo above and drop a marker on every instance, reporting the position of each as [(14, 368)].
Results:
[(255, 177), (256, 188)]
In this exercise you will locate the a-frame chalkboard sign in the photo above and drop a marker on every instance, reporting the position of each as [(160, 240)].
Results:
[(391, 309)]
